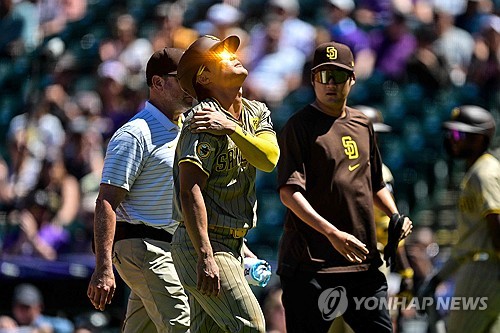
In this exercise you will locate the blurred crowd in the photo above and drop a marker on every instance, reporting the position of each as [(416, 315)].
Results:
[(72, 72)]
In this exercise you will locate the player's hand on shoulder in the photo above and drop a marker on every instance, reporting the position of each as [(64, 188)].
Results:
[(208, 276), (211, 121), (349, 246)]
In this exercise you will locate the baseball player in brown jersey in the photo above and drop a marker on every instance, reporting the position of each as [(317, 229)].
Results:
[(228, 137), (476, 257), (329, 177)]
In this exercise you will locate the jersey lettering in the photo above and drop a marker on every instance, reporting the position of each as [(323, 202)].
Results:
[(229, 160)]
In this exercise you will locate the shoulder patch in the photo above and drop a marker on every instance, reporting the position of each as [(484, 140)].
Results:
[(203, 150)]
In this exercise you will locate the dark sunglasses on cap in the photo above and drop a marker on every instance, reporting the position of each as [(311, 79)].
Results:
[(338, 76), (455, 135)]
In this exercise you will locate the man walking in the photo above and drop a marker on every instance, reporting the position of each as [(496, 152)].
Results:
[(329, 178), (133, 223), (215, 169)]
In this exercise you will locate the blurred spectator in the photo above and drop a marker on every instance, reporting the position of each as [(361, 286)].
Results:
[(484, 70), (38, 226), (471, 18), (84, 147), (424, 67), (11, 25), (171, 32), (393, 45), (344, 29), (31, 136), (74, 10), (133, 52), (114, 93), (278, 67), (52, 17), (27, 10), (92, 322), (296, 33), (28, 311), (454, 44), (223, 20), (374, 13), (7, 195)]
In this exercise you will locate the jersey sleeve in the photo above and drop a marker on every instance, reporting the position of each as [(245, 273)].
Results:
[(489, 183), (198, 148), (291, 164), (123, 161), (264, 121)]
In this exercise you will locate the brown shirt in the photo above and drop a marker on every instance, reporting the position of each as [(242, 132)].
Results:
[(337, 165)]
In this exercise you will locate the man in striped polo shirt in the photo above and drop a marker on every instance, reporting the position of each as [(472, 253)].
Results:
[(225, 138), (133, 223)]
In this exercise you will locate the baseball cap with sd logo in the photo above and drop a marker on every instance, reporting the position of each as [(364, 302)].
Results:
[(335, 54)]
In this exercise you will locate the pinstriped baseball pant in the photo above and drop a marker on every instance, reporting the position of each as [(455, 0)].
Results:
[(236, 308), (477, 279), (157, 302)]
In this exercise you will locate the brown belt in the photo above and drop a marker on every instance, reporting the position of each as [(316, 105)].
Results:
[(126, 230), (233, 232)]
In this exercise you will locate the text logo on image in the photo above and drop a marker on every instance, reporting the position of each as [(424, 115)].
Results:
[(332, 303)]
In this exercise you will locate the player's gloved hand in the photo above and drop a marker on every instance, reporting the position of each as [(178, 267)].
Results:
[(400, 226)]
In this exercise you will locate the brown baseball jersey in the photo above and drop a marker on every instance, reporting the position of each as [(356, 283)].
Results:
[(337, 165), (229, 194)]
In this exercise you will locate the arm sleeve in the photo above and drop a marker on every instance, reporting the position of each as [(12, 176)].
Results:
[(261, 150)]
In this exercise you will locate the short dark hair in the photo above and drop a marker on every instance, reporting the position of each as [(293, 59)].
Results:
[(163, 62)]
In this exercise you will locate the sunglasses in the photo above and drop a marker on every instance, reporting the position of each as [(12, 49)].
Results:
[(455, 135), (338, 76)]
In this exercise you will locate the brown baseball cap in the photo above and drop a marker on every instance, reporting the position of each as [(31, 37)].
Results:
[(163, 62), (335, 54), (471, 119), (201, 51)]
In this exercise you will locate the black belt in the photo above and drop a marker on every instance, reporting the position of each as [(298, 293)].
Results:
[(126, 230)]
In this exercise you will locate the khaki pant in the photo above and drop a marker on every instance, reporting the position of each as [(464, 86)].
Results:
[(236, 308), (157, 301)]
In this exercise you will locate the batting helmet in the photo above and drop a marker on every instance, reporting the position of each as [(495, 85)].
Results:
[(471, 119), (375, 117)]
